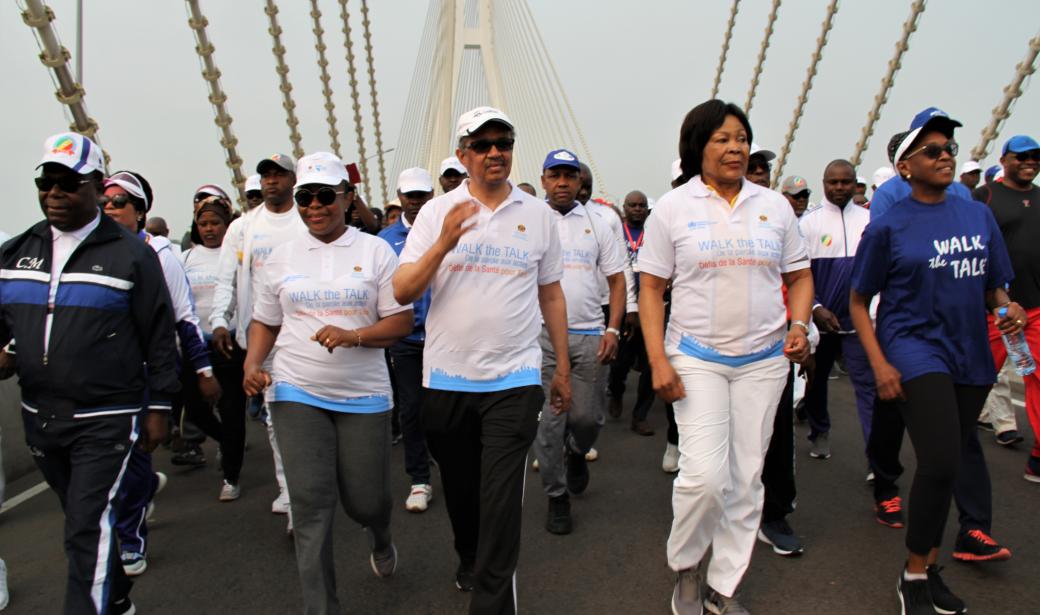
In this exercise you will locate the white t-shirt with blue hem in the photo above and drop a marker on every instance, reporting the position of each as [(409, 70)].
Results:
[(306, 284), (484, 320), (726, 264)]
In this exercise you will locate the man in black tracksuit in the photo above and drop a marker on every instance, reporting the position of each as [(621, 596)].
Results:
[(87, 304)]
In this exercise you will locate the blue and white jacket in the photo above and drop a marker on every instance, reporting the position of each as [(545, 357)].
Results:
[(112, 315), (832, 235), (395, 235)]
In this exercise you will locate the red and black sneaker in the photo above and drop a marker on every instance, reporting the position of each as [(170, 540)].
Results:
[(890, 512), (978, 546)]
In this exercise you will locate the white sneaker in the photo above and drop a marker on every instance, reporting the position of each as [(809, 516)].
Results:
[(592, 455), (136, 567), (149, 514), (229, 492), (419, 499), (670, 461), (4, 596), (280, 506), (534, 465)]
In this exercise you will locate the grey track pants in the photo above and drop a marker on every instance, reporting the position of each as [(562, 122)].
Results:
[(574, 431), (332, 456)]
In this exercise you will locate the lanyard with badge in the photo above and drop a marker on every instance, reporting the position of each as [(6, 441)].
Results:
[(633, 246)]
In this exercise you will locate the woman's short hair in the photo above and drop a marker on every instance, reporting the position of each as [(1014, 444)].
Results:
[(700, 123)]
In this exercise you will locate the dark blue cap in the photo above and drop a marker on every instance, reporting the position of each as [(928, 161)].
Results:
[(934, 117), (1020, 143), (993, 170), (561, 158)]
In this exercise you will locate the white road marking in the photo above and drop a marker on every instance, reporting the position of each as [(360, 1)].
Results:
[(23, 496)]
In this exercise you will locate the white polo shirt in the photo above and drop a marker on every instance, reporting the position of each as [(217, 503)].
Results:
[(306, 284), (726, 264), (484, 320), (590, 254)]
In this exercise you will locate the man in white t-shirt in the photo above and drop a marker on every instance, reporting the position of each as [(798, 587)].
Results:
[(247, 244), (491, 256), (591, 253)]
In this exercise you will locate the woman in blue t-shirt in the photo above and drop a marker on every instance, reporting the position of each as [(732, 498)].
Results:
[(939, 262)]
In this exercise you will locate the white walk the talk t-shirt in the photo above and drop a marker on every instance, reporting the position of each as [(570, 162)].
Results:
[(484, 320), (306, 284), (590, 254), (726, 262)]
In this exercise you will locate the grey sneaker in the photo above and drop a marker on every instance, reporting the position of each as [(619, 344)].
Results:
[(821, 447), (722, 605), (384, 563), (686, 598)]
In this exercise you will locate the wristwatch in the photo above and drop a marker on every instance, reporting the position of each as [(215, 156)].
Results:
[(614, 331), (206, 372), (801, 324)]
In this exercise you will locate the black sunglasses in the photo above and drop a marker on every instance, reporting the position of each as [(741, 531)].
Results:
[(67, 184), (118, 201), (325, 196), (934, 150), (1033, 155), (483, 146)]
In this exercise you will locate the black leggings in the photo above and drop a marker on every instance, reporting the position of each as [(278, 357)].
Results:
[(230, 430), (940, 417)]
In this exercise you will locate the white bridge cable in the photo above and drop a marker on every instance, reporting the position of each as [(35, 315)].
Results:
[(55, 56), (725, 47), (545, 69), (909, 27), (275, 30), (198, 22), (414, 122), (432, 148), (1013, 90), (770, 22), (354, 95), (375, 97), (323, 74), (821, 42)]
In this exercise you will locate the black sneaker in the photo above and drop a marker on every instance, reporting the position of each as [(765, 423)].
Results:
[(559, 518), (465, 578), (577, 473), (192, 455), (942, 598), (780, 535), (890, 512), (122, 607), (915, 597), (1010, 437), (978, 546)]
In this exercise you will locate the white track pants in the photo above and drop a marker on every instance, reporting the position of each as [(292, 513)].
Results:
[(725, 422)]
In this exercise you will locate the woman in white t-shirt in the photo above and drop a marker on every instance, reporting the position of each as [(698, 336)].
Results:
[(201, 265), (725, 244), (326, 302)]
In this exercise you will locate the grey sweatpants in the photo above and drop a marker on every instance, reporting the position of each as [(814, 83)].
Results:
[(574, 431), (332, 456)]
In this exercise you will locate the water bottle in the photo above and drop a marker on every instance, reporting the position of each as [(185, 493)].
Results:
[(1018, 349)]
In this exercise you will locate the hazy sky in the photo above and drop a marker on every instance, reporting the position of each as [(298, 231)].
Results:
[(631, 70)]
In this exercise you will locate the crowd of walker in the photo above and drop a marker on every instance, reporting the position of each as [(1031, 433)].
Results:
[(486, 323)]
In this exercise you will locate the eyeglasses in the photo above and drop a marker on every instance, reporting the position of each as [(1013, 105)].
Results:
[(1033, 155), (934, 150), (325, 196), (118, 201), (483, 146), (67, 184)]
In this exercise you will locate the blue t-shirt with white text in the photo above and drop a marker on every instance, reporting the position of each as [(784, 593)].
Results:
[(932, 264), (897, 189)]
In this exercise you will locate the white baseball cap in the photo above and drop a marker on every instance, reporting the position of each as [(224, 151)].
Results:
[(767, 154), (415, 179), (451, 162), (676, 168), (970, 167), (882, 175), (472, 120), (861, 180), (253, 182), (320, 168), (74, 151)]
